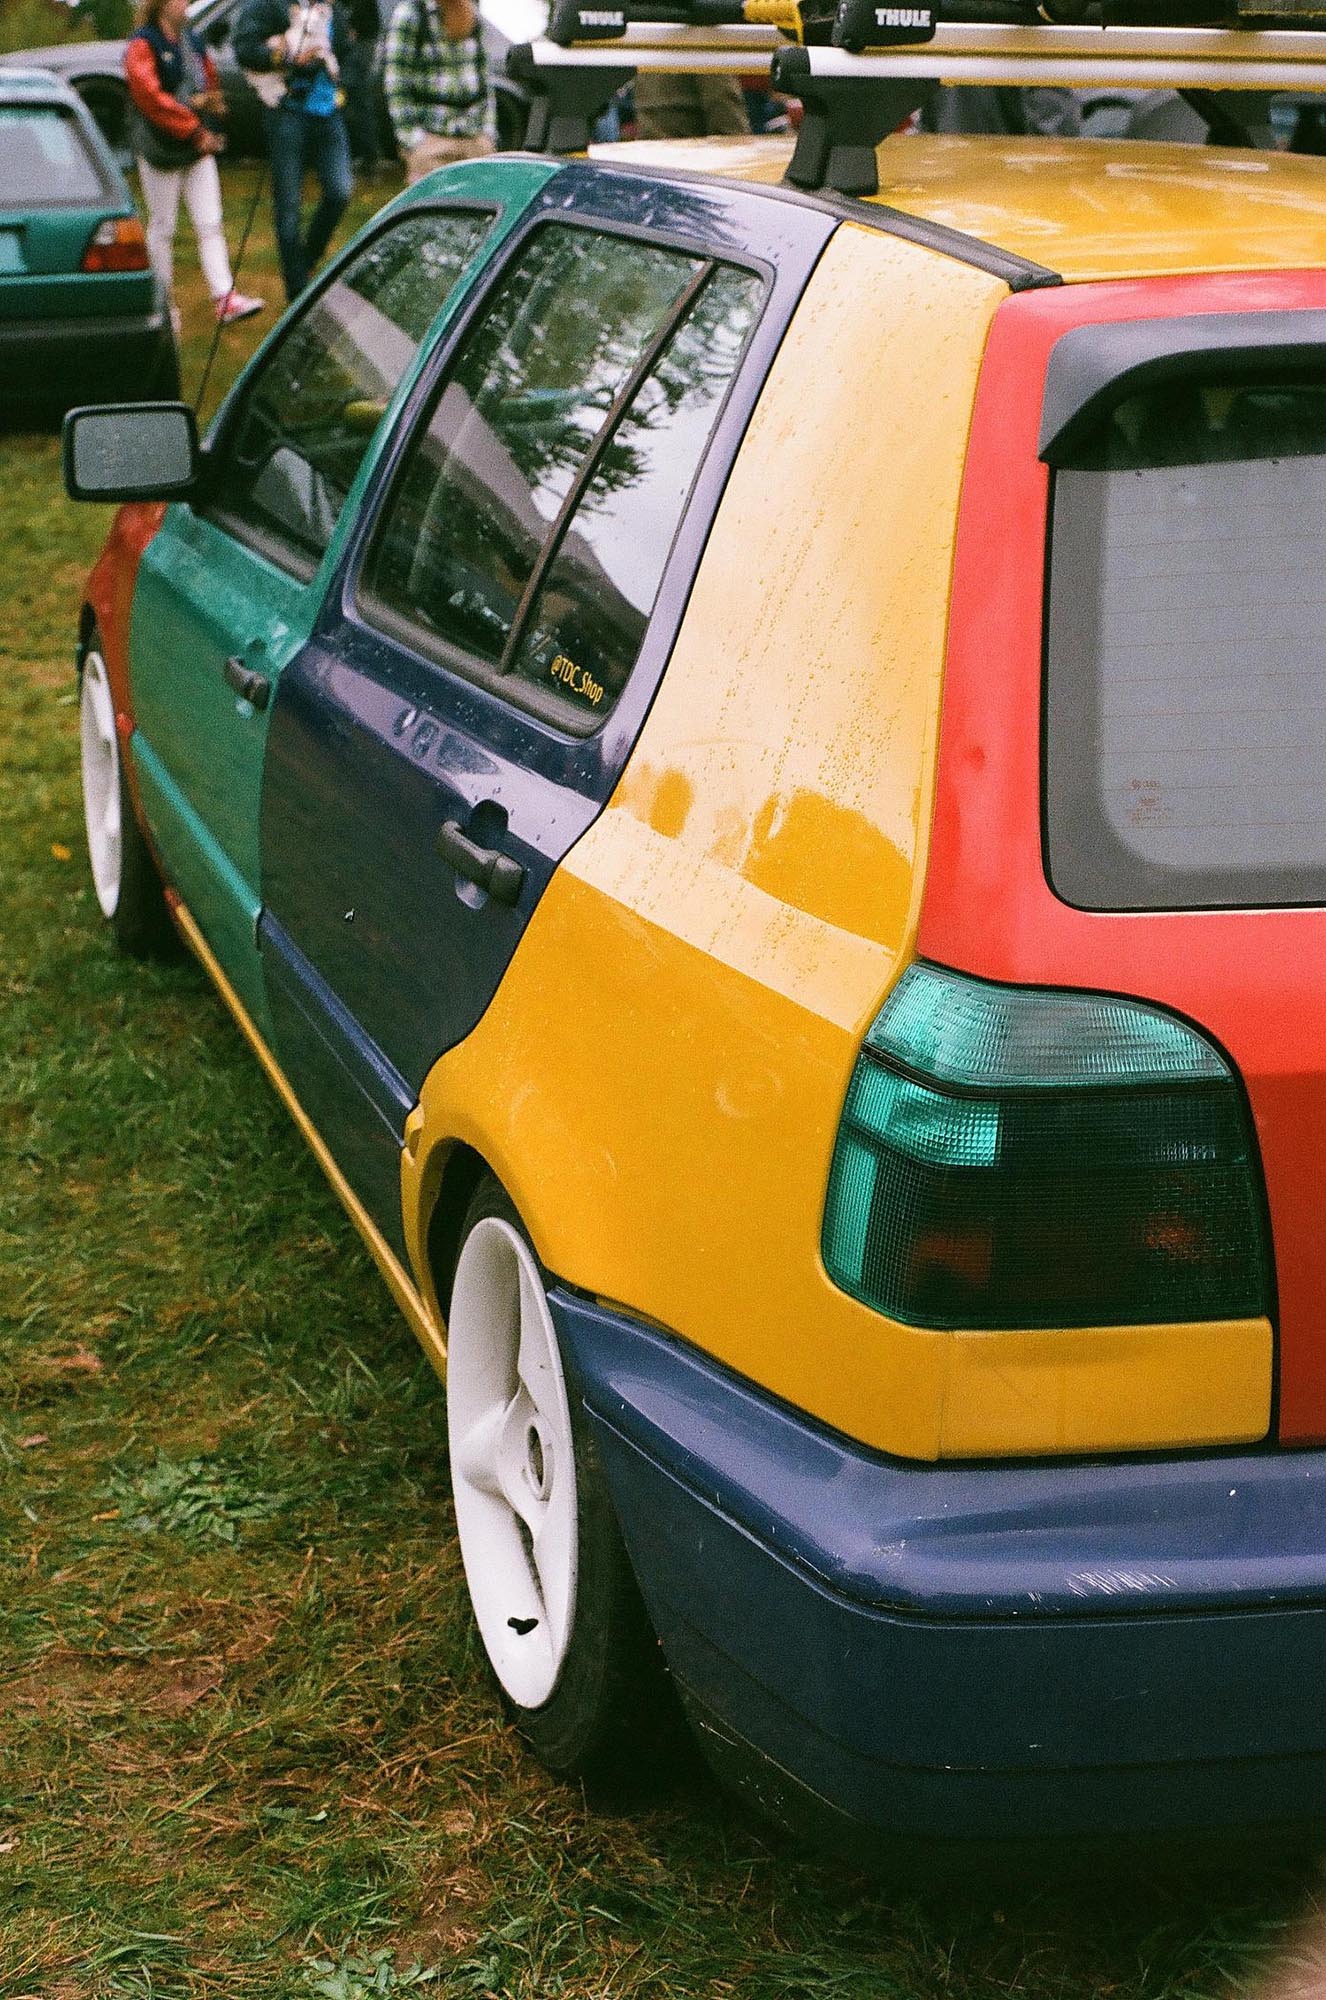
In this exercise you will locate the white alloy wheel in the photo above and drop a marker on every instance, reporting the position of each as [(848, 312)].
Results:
[(513, 1467), (100, 752)]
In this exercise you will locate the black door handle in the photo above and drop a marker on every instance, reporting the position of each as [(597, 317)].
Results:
[(255, 688), (497, 874)]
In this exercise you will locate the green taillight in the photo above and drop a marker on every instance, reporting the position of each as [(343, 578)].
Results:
[(1020, 1157)]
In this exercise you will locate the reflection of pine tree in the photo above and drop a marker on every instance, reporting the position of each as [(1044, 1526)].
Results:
[(585, 609), (408, 272), (525, 407), (694, 369), (574, 323)]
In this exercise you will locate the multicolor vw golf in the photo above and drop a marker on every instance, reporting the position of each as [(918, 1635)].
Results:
[(751, 765)]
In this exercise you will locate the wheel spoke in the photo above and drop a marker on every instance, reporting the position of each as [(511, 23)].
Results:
[(535, 1366), (474, 1457), (554, 1553), (513, 1462), (492, 1456)]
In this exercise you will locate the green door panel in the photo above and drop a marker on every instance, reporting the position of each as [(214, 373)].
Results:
[(202, 598), (219, 899), (205, 597)]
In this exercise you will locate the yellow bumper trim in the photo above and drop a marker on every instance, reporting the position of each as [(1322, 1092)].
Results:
[(1106, 1388)]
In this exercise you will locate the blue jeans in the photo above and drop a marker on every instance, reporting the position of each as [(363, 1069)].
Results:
[(297, 139)]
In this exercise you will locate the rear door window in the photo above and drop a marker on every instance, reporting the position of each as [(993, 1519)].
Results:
[(44, 160), (524, 541), (1186, 652), (595, 588)]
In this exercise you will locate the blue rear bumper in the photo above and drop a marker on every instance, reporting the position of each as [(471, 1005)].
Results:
[(967, 1652)]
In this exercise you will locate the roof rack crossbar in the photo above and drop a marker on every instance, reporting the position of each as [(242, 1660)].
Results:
[(854, 99), (685, 51), (1183, 58), (576, 21)]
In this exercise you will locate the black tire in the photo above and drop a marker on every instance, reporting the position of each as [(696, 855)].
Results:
[(125, 877), (165, 383), (612, 1716)]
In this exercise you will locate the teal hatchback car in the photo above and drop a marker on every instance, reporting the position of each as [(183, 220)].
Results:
[(81, 311)]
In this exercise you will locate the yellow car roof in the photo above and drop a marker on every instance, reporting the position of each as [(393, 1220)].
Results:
[(1086, 208)]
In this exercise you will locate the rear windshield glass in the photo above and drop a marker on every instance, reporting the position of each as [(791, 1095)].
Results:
[(43, 158), (1186, 723)]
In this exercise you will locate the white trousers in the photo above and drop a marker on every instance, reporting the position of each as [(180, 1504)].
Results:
[(201, 186)]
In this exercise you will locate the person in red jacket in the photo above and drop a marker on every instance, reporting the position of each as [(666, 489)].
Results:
[(173, 87)]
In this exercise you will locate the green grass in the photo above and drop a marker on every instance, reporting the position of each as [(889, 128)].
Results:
[(247, 1749)]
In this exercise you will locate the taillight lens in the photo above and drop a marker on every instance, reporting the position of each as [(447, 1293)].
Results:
[(118, 245), (1022, 1157)]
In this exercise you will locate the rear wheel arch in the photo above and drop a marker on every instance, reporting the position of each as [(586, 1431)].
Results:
[(560, 1615), (454, 1173)]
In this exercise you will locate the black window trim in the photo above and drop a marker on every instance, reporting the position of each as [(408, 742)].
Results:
[(431, 648), (273, 547), (1094, 367), (1019, 273)]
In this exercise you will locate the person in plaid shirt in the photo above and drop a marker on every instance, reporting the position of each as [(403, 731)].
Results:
[(436, 82)]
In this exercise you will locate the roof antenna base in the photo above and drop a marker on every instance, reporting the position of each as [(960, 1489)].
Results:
[(564, 103), (845, 119)]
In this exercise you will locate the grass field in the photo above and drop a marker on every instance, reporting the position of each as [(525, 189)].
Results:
[(246, 1747)]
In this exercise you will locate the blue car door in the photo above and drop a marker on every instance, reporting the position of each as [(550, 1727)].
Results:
[(464, 707)]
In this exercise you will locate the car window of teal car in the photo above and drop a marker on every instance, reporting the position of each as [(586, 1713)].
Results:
[(559, 407), (307, 416), (44, 158)]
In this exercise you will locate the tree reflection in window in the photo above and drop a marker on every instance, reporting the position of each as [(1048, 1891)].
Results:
[(590, 614), (528, 398)]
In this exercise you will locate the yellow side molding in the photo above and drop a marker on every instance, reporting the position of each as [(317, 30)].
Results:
[(398, 1280), (1107, 1388)]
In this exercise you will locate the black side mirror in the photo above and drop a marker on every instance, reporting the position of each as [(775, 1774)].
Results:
[(130, 451)]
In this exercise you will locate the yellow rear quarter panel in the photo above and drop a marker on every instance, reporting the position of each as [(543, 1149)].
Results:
[(659, 1079)]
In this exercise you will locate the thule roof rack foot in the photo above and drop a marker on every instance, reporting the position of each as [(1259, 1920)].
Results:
[(1219, 111), (564, 101), (845, 120)]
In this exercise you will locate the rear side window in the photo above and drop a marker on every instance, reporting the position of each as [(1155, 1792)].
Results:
[(308, 415), (524, 541), (1186, 652), (44, 160), (588, 615)]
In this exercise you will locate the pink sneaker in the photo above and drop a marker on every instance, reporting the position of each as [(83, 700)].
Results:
[(236, 305)]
